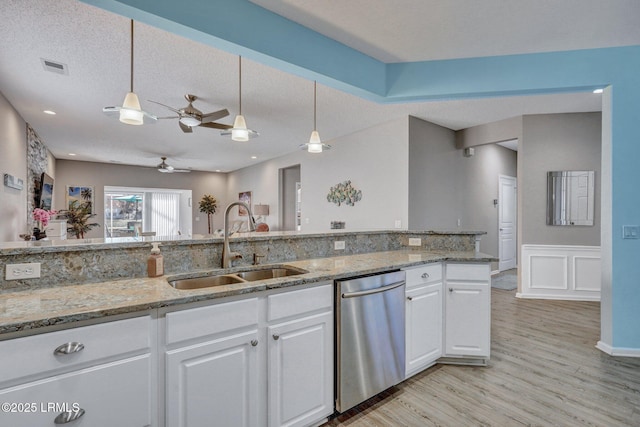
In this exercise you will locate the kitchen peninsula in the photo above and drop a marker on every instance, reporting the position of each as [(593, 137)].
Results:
[(166, 342)]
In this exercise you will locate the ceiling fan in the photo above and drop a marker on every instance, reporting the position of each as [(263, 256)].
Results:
[(166, 168), (190, 117)]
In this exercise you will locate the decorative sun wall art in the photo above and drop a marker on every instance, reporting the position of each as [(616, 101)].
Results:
[(344, 193)]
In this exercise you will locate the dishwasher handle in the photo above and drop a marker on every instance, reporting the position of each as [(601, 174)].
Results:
[(373, 291)]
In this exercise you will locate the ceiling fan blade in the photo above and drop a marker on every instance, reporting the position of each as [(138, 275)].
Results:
[(185, 128), (181, 170), (164, 105), (169, 117), (211, 117), (215, 125)]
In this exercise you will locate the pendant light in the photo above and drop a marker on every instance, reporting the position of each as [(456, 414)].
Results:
[(315, 145), (130, 112), (240, 132)]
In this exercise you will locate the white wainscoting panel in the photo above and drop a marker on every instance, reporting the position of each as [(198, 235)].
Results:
[(560, 272)]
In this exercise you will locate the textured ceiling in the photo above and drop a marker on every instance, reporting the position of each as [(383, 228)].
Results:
[(94, 44)]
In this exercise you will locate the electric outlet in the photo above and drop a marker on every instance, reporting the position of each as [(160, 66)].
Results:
[(339, 245), (29, 270), (398, 223), (459, 222), (415, 241)]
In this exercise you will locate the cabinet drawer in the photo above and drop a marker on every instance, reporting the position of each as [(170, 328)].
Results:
[(211, 320), (33, 356), (423, 274), (476, 272), (113, 394), (293, 303)]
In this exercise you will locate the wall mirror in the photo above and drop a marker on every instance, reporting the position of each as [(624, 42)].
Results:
[(570, 197)]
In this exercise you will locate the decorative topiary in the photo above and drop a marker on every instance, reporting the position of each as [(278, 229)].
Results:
[(208, 205)]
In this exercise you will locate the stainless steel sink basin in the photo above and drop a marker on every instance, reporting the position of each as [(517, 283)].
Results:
[(269, 273), (250, 275), (205, 282)]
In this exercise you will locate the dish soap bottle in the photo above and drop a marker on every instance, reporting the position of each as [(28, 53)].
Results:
[(155, 263)]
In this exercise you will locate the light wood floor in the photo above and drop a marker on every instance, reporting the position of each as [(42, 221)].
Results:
[(544, 371)]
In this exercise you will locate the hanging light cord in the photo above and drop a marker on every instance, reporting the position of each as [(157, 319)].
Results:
[(314, 105), (240, 84), (132, 55)]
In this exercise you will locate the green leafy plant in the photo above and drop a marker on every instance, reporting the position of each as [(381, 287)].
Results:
[(208, 205), (78, 216)]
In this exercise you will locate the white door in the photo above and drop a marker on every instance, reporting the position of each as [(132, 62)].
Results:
[(507, 214), (467, 319), (423, 320)]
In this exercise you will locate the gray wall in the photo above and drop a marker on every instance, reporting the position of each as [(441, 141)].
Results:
[(13, 144), (100, 174), (445, 186), (554, 142)]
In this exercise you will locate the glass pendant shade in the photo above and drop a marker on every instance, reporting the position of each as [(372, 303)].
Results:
[(315, 144), (240, 131), (130, 113)]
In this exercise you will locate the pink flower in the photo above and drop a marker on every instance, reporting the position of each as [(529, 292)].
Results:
[(43, 216)]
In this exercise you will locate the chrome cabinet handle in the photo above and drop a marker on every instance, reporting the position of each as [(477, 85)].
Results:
[(450, 290), (68, 416), (254, 343), (69, 348), (425, 275), (276, 337), (410, 298)]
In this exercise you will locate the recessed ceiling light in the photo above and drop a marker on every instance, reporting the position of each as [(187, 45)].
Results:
[(598, 90), (217, 170), (53, 113), (72, 154), (254, 157)]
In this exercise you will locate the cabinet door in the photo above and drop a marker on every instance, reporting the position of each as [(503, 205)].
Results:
[(300, 371), (423, 327), (112, 394), (467, 319), (214, 383)]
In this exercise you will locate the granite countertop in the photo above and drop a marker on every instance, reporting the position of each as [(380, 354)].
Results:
[(28, 310)]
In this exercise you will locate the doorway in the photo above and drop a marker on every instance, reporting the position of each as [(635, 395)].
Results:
[(289, 200), (507, 215)]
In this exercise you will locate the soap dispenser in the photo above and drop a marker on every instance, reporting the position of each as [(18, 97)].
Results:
[(155, 263)]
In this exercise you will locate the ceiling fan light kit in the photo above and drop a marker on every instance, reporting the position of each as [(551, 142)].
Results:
[(190, 117), (130, 113), (315, 144), (240, 132)]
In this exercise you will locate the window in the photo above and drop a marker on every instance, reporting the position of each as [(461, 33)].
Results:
[(129, 212)]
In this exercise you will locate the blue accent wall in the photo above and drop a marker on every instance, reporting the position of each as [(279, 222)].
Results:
[(240, 27)]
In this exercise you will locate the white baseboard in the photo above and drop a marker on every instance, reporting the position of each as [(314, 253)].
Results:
[(618, 351), (558, 297)]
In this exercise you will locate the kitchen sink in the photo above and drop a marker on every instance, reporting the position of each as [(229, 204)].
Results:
[(269, 273), (205, 282), (243, 276)]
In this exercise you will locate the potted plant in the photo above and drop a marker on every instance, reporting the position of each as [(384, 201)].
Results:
[(77, 217), (208, 205)]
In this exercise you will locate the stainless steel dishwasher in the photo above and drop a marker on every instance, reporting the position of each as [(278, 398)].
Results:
[(370, 355)]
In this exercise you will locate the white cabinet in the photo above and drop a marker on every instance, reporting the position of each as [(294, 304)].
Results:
[(211, 365), (265, 360), (100, 375), (423, 317), (467, 310)]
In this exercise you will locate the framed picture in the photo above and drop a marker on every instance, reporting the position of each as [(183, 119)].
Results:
[(245, 196), (46, 192), (80, 194)]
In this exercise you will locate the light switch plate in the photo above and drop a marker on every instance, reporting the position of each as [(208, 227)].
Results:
[(631, 231), (339, 245), (29, 270)]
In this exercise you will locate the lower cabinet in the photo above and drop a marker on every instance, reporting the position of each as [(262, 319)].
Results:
[(97, 375), (300, 370), (467, 310), (423, 317), (214, 380), (262, 361)]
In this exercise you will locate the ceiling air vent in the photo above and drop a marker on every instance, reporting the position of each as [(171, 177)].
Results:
[(54, 67)]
